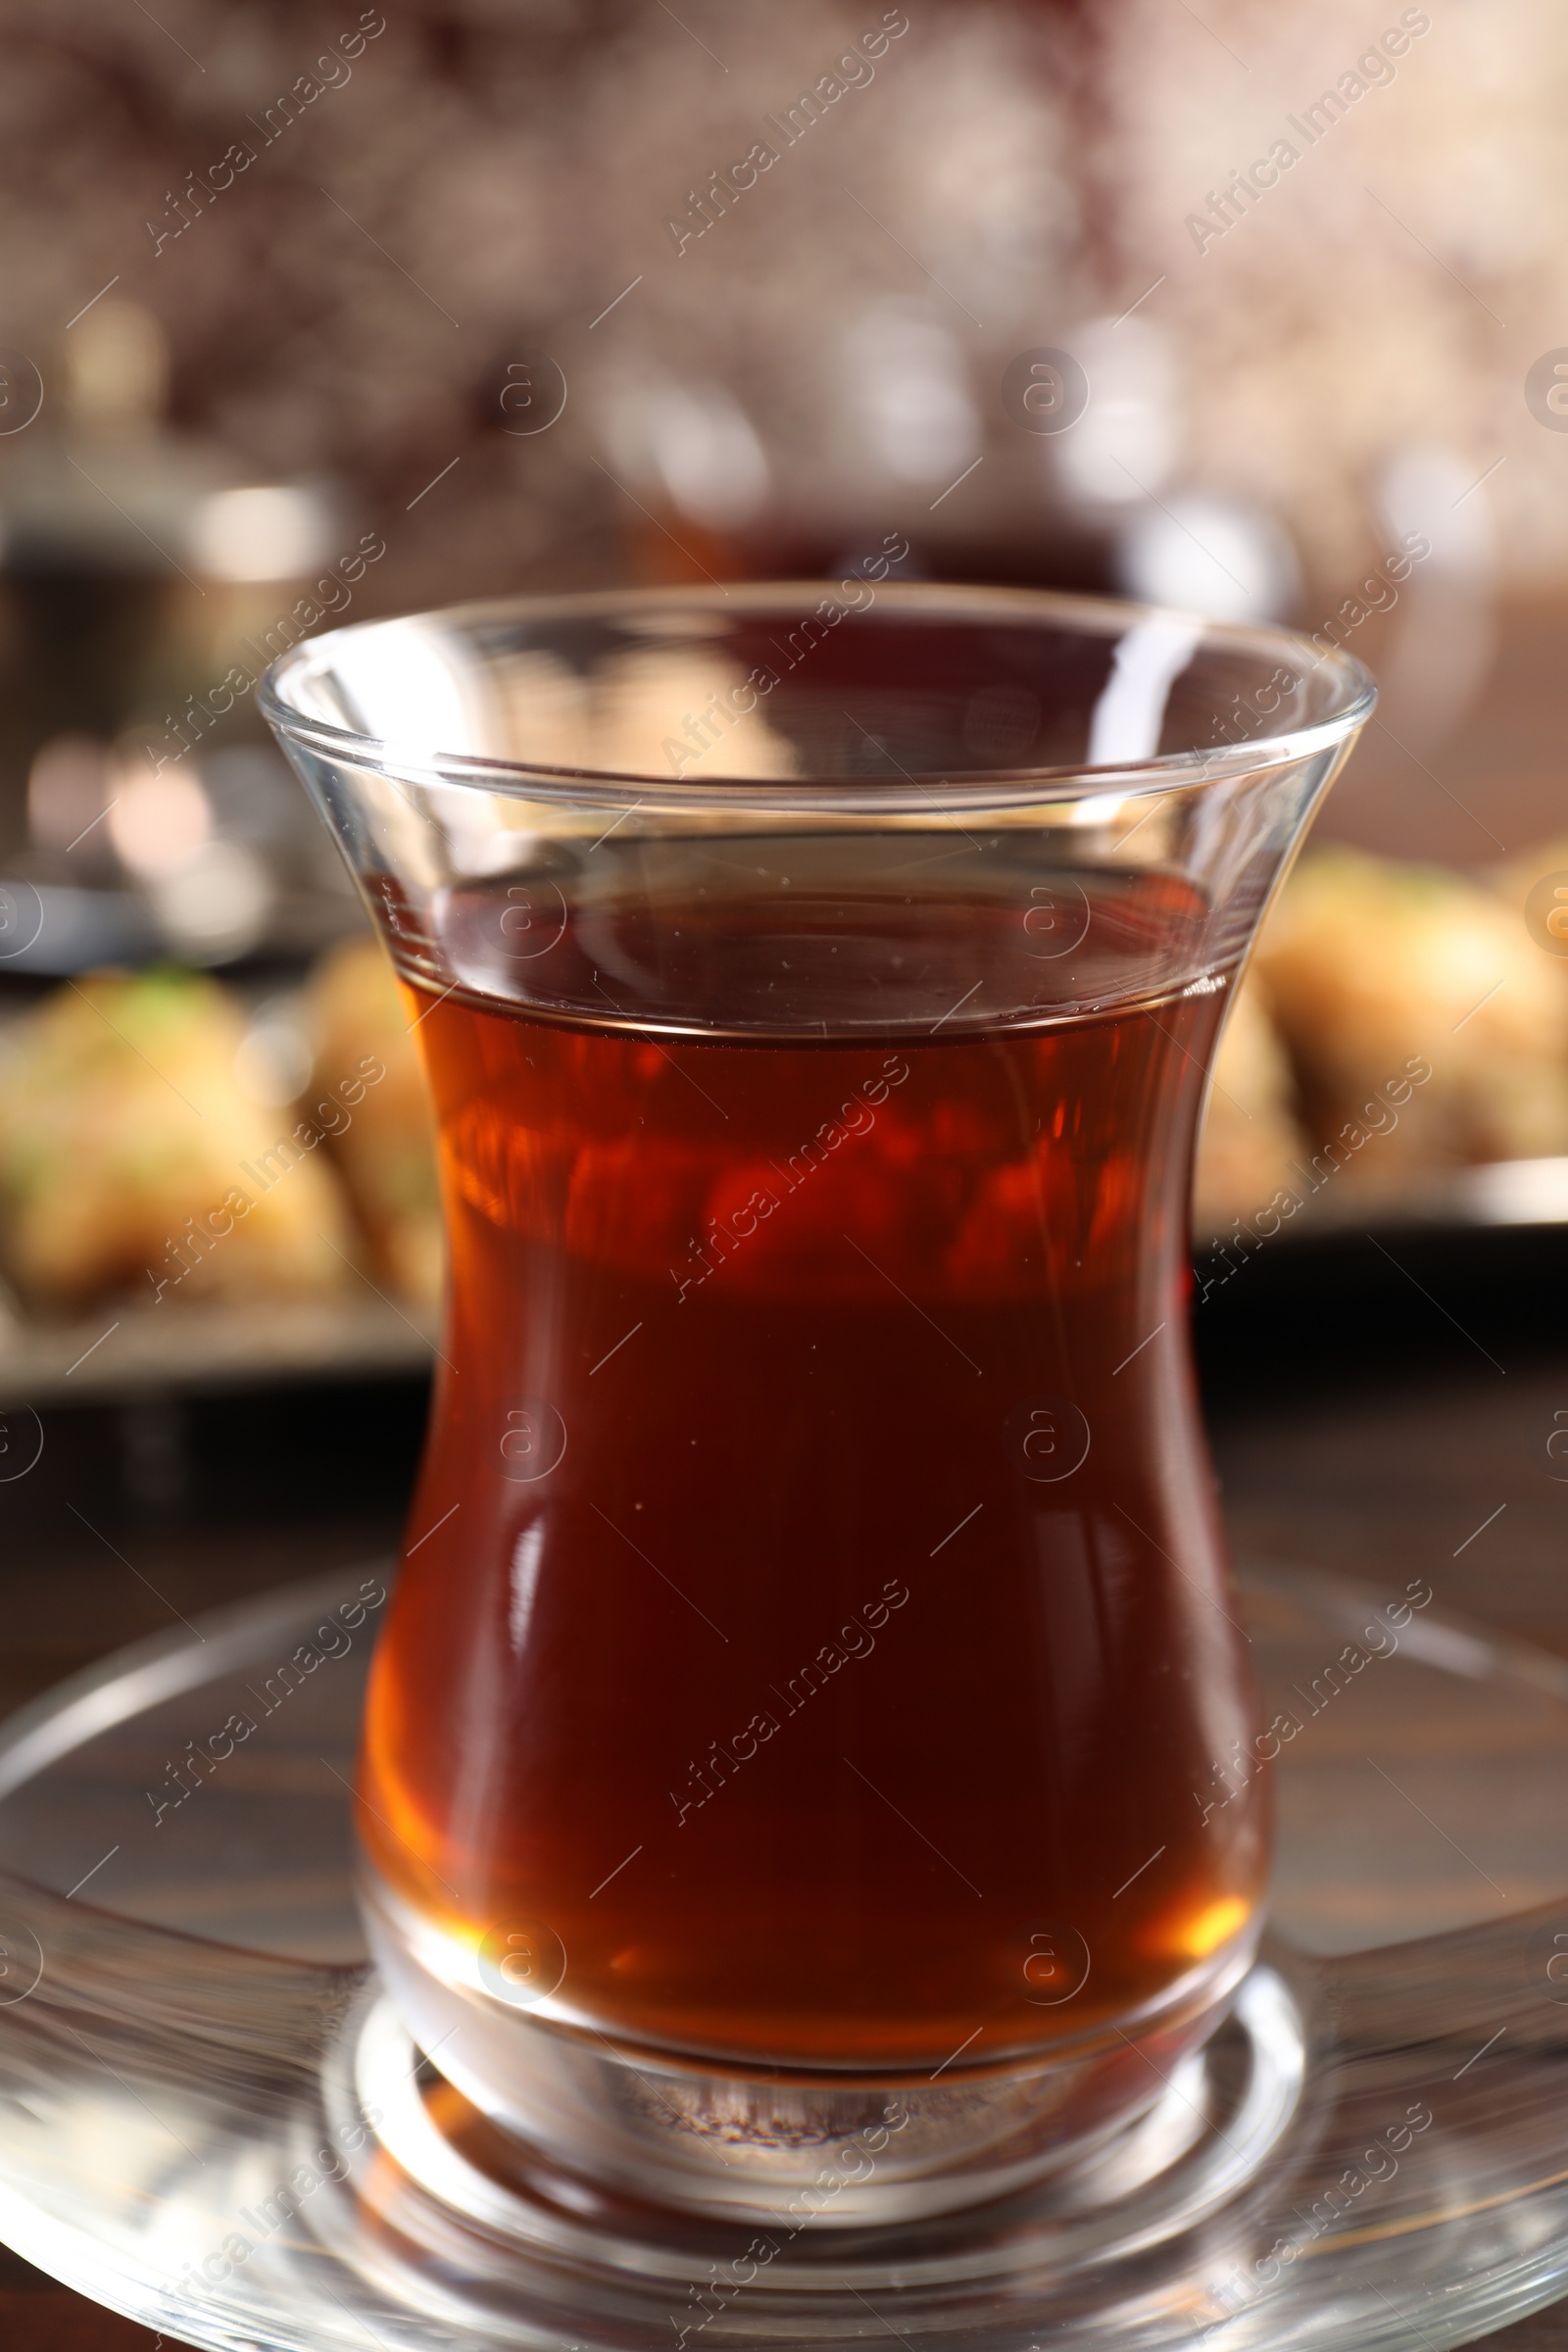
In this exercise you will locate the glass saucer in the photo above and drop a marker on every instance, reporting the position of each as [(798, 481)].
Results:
[(211, 2120)]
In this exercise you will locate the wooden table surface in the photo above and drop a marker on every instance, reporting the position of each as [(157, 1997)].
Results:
[(1384, 1482)]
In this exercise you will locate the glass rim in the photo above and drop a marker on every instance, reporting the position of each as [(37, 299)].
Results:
[(993, 786)]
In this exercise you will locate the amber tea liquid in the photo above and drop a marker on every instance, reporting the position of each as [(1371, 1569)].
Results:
[(814, 1625)]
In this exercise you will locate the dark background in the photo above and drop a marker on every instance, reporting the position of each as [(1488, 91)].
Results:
[(1273, 405)]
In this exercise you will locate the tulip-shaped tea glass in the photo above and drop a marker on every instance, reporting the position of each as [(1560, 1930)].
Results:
[(812, 1714)]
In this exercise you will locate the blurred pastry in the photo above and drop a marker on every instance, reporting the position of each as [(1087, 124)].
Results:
[(661, 713), (385, 1146), (1251, 1137), (132, 1159), (656, 710), (1426, 1029)]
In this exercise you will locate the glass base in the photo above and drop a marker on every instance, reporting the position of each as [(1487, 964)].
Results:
[(236, 2142), (843, 2149)]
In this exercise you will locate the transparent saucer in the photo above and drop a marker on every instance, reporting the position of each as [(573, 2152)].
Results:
[(212, 2121)]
